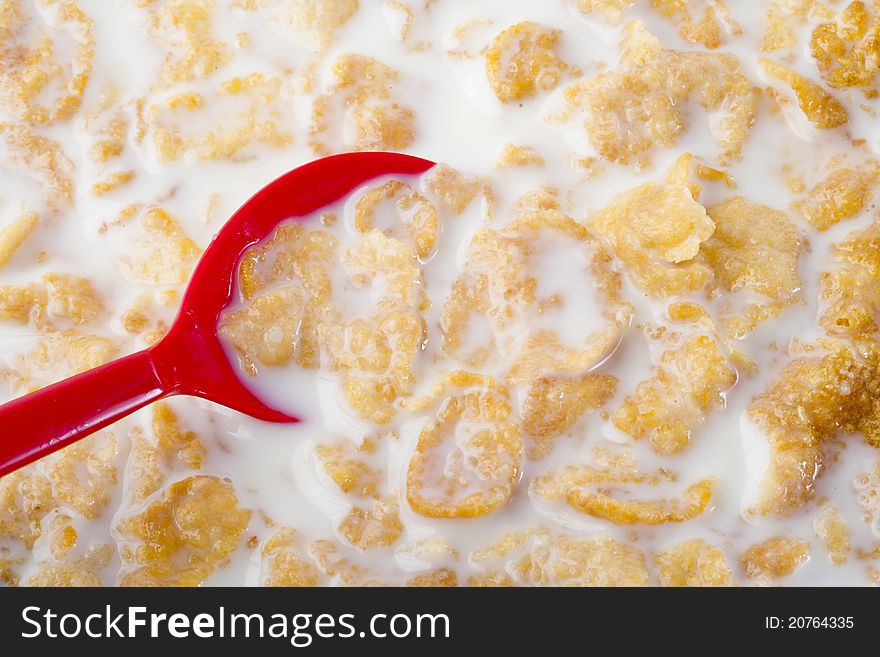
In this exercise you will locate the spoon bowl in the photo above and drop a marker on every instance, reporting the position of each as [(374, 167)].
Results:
[(190, 359)]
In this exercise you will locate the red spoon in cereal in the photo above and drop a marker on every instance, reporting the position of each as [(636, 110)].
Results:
[(190, 359)]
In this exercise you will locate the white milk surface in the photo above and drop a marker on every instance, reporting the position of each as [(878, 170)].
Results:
[(458, 120)]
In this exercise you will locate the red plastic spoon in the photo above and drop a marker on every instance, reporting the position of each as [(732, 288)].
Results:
[(190, 359)]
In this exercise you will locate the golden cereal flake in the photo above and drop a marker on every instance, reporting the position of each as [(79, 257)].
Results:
[(23, 303), (293, 253), (361, 98), (542, 198), (453, 187), (464, 477), (62, 535), (84, 474), (40, 158), (186, 532), (554, 404), (610, 11), (867, 487), (811, 400), (38, 83), (379, 126), (591, 490), (376, 358), (497, 285), (185, 30), (350, 473), (693, 502), (249, 111), (165, 449), (79, 478), (796, 7), (687, 170), (693, 563), (607, 468), (688, 384), (522, 61), (108, 128), (832, 529), (14, 235), (847, 47), (57, 298), (778, 34), (68, 352), (282, 563), (641, 105), (327, 555), (656, 231), (269, 330), (851, 291), (706, 31), (436, 578), (111, 182), (689, 312), (173, 441), (148, 317), (8, 571), (537, 558), (316, 21), (375, 355), (821, 108), (754, 247), (406, 206), (72, 298), (164, 255), (843, 194), (84, 571), (378, 527), (145, 473), (25, 498), (776, 557), (516, 155)]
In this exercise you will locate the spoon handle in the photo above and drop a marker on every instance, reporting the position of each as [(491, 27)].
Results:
[(58, 415)]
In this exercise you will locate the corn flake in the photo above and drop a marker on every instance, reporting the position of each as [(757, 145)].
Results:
[(776, 557), (639, 107), (14, 235), (537, 558), (657, 230), (821, 108), (693, 563), (378, 527), (689, 381), (361, 98), (522, 61), (610, 11), (34, 72), (164, 255), (418, 215), (843, 194), (851, 292), (832, 529), (316, 21), (375, 354), (84, 571), (847, 47), (282, 563), (554, 404), (186, 532), (477, 473), (250, 113), (811, 400)]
